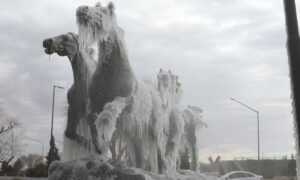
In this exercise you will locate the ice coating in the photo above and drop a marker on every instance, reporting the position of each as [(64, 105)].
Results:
[(98, 20), (169, 88), (170, 93), (138, 122), (116, 120), (91, 170), (114, 115), (83, 67), (193, 125), (184, 127), (106, 120)]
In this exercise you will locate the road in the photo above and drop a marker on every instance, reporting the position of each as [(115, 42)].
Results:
[(20, 178)]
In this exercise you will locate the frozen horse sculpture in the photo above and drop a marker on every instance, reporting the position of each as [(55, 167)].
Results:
[(184, 127), (138, 118), (145, 120), (193, 125), (170, 92), (83, 67), (113, 77)]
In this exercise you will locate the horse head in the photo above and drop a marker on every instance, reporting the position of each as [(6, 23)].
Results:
[(63, 45), (95, 23), (169, 87)]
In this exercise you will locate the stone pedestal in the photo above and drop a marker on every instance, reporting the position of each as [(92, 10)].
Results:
[(87, 169)]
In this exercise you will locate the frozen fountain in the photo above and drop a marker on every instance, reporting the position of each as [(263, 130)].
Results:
[(118, 126)]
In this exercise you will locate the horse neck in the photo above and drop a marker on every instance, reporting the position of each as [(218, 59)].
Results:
[(112, 50), (81, 72)]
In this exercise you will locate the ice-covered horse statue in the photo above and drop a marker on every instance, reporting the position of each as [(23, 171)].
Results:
[(116, 108), (117, 101), (83, 67), (184, 127), (193, 126), (170, 92)]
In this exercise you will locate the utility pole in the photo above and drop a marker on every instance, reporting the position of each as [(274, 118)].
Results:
[(293, 48)]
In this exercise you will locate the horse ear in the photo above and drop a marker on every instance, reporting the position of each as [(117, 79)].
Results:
[(160, 70), (111, 8)]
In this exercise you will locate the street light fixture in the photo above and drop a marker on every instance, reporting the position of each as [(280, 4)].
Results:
[(53, 151), (53, 107), (258, 144)]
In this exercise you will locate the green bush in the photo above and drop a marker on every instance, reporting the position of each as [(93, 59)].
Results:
[(18, 165), (39, 170), (7, 170)]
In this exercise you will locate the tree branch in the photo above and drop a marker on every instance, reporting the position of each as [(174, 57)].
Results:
[(11, 123), (2, 129)]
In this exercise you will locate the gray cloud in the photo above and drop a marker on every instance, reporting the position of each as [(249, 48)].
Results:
[(219, 49)]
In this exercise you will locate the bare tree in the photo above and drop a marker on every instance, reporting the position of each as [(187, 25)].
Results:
[(31, 160), (8, 144), (8, 126)]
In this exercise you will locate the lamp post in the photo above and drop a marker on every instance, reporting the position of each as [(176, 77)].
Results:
[(293, 45), (258, 140), (53, 107), (53, 151), (39, 141), (12, 143)]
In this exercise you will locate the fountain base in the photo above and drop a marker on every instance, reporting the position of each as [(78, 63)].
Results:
[(88, 169)]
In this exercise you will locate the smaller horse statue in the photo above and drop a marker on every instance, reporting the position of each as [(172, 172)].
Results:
[(183, 127), (193, 125), (170, 93)]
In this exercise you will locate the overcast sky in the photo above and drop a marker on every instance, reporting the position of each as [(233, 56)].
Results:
[(219, 49)]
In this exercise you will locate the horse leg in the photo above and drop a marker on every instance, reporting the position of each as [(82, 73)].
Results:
[(130, 149), (135, 148), (153, 155), (175, 132), (110, 113), (139, 151), (160, 162), (192, 148), (194, 158), (94, 133), (73, 120), (74, 116)]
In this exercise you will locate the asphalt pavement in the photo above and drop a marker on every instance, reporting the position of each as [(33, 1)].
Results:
[(20, 178)]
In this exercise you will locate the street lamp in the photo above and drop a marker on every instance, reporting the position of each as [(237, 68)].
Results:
[(53, 107), (53, 151), (258, 144), (39, 141)]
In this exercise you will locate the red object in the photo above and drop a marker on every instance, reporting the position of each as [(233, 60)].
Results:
[(217, 159)]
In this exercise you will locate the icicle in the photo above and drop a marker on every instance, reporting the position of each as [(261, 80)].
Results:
[(106, 120), (49, 56)]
